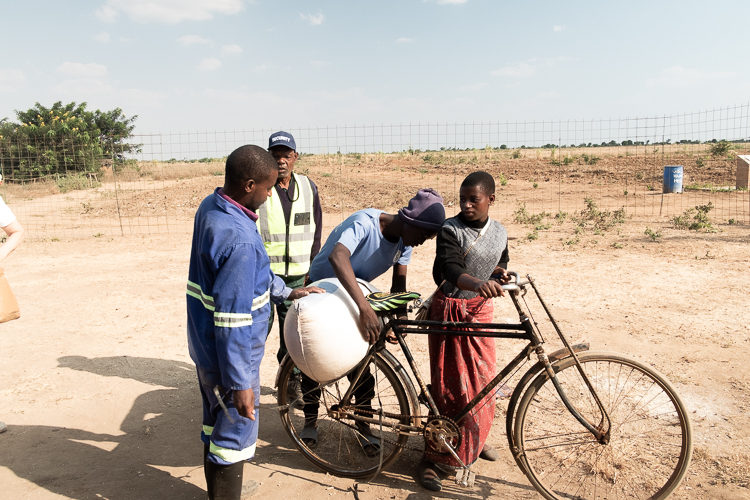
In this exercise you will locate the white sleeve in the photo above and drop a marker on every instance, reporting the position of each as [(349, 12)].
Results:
[(6, 216)]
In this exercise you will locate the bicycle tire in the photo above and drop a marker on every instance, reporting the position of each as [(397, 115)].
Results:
[(650, 439), (339, 450)]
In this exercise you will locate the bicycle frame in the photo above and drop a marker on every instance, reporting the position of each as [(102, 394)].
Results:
[(524, 330)]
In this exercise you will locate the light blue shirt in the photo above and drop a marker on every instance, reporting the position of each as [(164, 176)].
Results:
[(371, 254)]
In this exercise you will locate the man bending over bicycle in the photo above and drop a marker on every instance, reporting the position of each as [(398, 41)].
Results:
[(365, 246)]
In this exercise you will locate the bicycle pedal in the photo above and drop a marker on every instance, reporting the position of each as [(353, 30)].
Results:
[(465, 478)]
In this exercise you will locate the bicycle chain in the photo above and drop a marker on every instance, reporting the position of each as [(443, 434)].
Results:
[(398, 416)]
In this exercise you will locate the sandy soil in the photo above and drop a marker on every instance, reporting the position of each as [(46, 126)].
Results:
[(101, 400)]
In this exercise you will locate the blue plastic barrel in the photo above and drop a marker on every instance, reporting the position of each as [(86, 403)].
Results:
[(673, 179)]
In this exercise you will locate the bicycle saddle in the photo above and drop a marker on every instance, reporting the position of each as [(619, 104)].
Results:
[(384, 302)]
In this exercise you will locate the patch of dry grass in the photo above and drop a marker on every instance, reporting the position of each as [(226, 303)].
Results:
[(724, 470)]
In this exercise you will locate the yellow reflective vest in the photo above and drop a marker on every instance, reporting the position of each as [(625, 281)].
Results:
[(289, 245)]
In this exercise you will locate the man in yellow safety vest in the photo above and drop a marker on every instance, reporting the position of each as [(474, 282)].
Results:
[(290, 223)]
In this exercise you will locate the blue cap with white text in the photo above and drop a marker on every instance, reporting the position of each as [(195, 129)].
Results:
[(282, 139)]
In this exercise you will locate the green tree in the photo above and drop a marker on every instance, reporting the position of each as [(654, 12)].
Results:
[(62, 139)]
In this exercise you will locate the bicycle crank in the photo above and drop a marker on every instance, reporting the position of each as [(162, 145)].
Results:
[(440, 433)]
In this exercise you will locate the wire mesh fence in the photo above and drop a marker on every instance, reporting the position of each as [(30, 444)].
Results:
[(68, 187)]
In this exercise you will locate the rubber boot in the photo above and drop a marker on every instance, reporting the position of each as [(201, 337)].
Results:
[(224, 482)]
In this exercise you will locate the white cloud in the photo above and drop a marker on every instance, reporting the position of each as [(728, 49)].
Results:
[(231, 49), (404, 40), (12, 76), (189, 40), (102, 37), (677, 76), (106, 14), (319, 64), (82, 70), (313, 19), (520, 70), (82, 80), (209, 64), (473, 87), (558, 28), (167, 11)]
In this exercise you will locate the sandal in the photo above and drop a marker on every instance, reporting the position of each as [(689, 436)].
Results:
[(369, 443), (428, 476), (309, 436)]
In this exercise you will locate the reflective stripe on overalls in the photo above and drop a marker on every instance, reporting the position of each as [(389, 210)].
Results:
[(289, 245)]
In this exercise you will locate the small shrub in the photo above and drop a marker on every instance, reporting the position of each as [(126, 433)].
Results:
[(625, 192), (721, 148), (522, 216), (502, 180), (561, 216), (617, 245), (639, 176), (649, 187), (535, 185), (74, 182), (516, 154), (534, 235), (590, 159), (572, 241), (695, 219), (433, 159), (654, 235)]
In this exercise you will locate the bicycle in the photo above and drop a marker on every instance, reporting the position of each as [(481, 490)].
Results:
[(580, 424)]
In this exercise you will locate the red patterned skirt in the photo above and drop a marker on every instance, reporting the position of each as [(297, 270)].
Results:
[(460, 367)]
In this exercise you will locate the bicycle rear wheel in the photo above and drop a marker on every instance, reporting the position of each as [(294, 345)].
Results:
[(650, 438), (342, 447)]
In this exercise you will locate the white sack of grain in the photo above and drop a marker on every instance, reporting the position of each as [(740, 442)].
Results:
[(321, 331)]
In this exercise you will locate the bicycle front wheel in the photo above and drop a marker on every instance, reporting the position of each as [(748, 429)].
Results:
[(344, 448), (650, 436)]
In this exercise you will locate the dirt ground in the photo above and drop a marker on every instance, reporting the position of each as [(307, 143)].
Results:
[(101, 400)]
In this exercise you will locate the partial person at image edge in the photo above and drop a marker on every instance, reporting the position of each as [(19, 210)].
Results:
[(15, 234)]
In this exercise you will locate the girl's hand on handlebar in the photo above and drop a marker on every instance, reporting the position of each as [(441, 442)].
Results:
[(501, 275), (490, 289)]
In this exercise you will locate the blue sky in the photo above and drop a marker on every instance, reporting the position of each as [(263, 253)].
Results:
[(185, 65)]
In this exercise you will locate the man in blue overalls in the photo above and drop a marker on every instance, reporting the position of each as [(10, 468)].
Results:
[(229, 293)]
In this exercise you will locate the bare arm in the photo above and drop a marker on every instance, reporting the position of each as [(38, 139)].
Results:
[(398, 283), (342, 268), (15, 233)]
